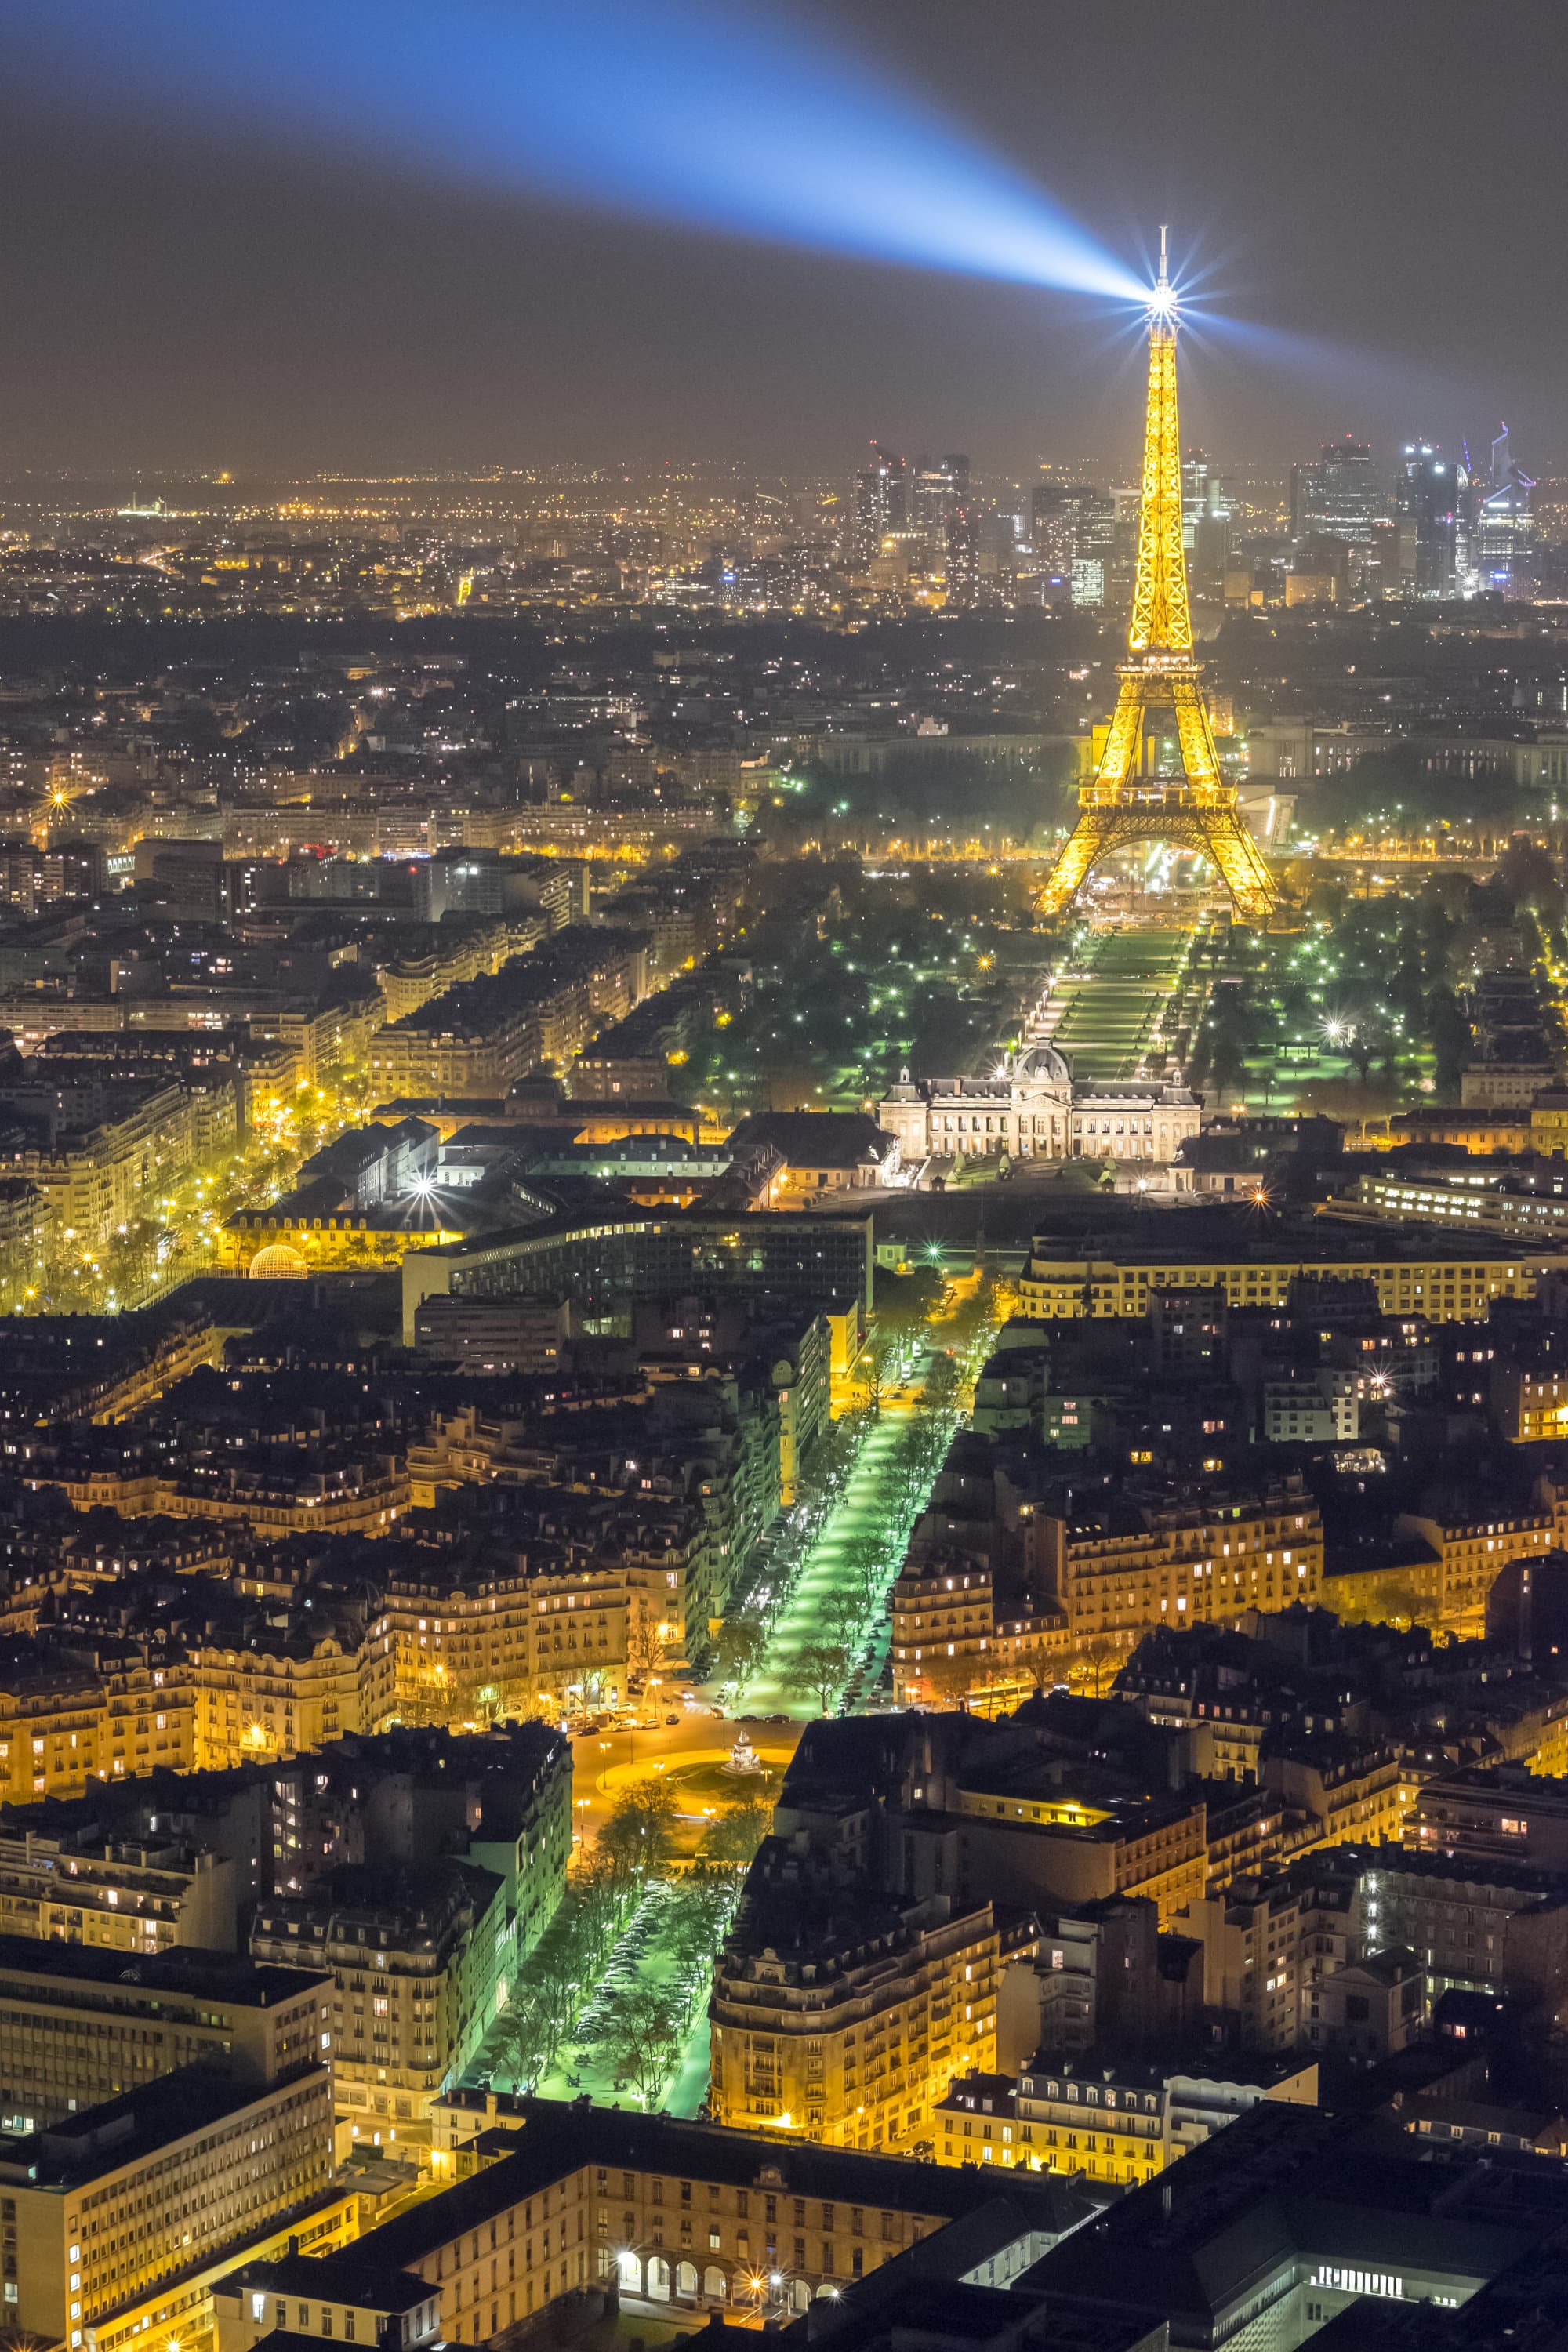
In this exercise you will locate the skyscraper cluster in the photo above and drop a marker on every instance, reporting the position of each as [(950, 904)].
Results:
[(917, 522)]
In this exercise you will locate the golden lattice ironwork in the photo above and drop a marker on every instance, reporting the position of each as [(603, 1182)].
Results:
[(1195, 809)]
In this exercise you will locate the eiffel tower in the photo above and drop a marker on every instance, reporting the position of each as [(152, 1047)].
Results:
[(1126, 800)]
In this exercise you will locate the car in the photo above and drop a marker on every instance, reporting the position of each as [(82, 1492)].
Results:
[(718, 1711), (592, 1725), (671, 1718), (776, 1718)]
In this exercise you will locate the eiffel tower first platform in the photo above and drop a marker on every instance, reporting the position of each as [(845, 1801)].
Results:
[(1123, 801)]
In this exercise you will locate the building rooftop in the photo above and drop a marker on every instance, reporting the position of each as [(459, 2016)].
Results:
[(119, 2131), (370, 2285), (559, 2138), (186, 1970), (1284, 2184)]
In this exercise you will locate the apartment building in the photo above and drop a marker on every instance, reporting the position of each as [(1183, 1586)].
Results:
[(501, 1799), (1490, 1814), (78, 2027), (446, 954), (1100, 1581), (65, 1723), (1166, 1562), (1444, 1285), (1072, 1836), (1104, 2116), (843, 2018), (496, 1338), (1267, 1942), (1503, 1928), (1318, 1406), (280, 1498), (104, 1150), (71, 1885), (478, 1037), (1344, 1791), (107, 2205), (1528, 1404), (561, 1628), (1469, 1551), (293, 1695), (415, 1952)]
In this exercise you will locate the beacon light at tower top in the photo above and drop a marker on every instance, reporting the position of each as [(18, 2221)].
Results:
[(1162, 296)]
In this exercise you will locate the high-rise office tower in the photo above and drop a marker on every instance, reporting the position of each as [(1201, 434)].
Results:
[(942, 504), (937, 484), (1431, 518), (961, 535), (1206, 514), (881, 502), (1203, 495), (1337, 495), (1502, 549), (1074, 532)]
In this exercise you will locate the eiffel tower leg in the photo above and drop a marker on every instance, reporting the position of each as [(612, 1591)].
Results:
[(1120, 757), (1232, 850), (1089, 839), (1200, 760)]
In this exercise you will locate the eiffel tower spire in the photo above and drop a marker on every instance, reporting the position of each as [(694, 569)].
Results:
[(1122, 804)]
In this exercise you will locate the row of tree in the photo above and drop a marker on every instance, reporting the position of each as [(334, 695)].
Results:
[(629, 1867)]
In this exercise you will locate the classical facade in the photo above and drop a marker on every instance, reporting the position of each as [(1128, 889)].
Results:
[(1031, 1107)]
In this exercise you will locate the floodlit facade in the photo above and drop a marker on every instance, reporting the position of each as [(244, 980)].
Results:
[(1031, 1107), (849, 2040)]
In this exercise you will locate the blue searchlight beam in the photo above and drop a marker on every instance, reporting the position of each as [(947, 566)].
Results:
[(710, 113)]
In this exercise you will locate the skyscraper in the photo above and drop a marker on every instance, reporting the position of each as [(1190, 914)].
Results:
[(1502, 547), (1073, 530), (936, 486), (1204, 496), (1206, 514), (881, 502), (1337, 495), (942, 503), (1432, 515)]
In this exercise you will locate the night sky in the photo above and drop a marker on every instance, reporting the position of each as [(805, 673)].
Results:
[(1384, 180)]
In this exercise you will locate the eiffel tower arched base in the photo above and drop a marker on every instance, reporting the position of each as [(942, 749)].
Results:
[(1212, 831)]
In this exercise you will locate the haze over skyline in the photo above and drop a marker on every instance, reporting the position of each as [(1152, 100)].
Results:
[(180, 291)]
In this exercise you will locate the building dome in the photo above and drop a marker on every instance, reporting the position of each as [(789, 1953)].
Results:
[(279, 1263), (1042, 1066)]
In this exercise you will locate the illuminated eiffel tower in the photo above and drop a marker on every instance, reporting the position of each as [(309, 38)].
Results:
[(1126, 800)]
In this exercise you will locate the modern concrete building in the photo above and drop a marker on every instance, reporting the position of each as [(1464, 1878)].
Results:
[(79, 2027), (103, 2206)]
